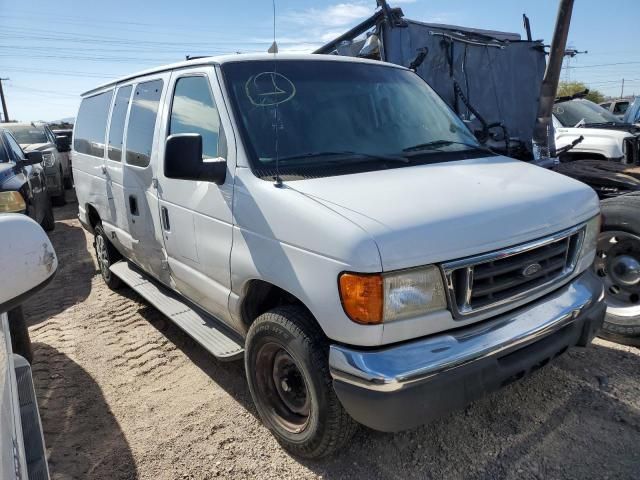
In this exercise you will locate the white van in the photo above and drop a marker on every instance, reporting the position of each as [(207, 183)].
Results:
[(332, 220)]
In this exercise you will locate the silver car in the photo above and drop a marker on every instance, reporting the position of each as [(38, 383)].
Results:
[(33, 136)]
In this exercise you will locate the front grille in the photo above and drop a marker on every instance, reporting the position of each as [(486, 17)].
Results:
[(632, 151), (498, 278)]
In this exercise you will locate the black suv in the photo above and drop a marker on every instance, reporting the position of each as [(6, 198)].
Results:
[(23, 174)]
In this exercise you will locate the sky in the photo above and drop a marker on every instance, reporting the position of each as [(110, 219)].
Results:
[(53, 51)]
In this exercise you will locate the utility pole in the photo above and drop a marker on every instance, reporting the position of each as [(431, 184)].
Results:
[(543, 139), (4, 103), (622, 90)]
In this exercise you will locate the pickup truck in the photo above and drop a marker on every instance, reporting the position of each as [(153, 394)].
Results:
[(332, 221)]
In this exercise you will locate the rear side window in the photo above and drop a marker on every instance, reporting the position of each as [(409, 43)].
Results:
[(620, 108), (91, 124), (193, 110), (142, 122), (118, 116)]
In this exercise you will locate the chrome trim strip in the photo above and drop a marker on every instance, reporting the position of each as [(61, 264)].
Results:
[(466, 311), (393, 368)]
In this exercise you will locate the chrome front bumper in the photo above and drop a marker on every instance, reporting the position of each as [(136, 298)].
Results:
[(466, 362)]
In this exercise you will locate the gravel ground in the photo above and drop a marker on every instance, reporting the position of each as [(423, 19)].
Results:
[(124, 394)]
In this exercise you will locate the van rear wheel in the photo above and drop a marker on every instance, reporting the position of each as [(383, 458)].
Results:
[(106, 255), (286, 363)]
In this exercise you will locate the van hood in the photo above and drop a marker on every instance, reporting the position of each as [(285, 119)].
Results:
[(605, 142), (445, 211)]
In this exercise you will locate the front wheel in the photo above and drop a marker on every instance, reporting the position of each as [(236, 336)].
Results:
[(286, 363), (107, 255), (48, 222), (618, 265), (60, 199)]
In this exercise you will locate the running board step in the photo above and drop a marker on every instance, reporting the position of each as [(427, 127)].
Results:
[(209, 332)]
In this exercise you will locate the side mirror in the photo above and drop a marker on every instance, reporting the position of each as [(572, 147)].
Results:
[(63, 143), (28, 261), (183, 160), (32, 158)]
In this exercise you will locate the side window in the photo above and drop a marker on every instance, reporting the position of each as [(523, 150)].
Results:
[(620, 108), (142, 122), (15, 149), (606, 106), (91, 124), (193, 110), (118, 115)]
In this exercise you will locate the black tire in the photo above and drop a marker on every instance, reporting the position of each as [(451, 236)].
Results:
[(620, 214), (48, 222), (293, 333), (20, 340), (106, 255), (60, 199)]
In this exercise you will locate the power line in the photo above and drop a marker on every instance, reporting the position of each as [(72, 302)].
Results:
[(67, 73), (11, 86), (605, 65)]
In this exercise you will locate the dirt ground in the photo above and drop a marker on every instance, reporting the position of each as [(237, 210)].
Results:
[(124, 394)]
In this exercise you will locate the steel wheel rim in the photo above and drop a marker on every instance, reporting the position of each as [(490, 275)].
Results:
[(282, 386), (103, 256), (617, 263)]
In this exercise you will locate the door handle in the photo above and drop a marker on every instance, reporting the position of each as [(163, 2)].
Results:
[(133, 205), (165, 219)]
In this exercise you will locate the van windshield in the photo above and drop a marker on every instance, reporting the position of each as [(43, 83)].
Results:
[(329, 114), (27, 134)]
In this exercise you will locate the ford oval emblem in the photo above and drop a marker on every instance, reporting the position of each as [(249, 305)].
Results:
[(531, 270)]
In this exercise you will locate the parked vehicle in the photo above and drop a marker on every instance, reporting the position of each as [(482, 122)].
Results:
[(38, 137), (605, 137), (23, 186), (27, 264), (64, 138), (329, 249), (633, 113), (503, 87), (617, 107)]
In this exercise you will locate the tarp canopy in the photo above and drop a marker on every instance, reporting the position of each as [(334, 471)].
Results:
[(499, 74)]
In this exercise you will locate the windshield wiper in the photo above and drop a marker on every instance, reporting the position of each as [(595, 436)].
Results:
[(348, 154), (436, 145)]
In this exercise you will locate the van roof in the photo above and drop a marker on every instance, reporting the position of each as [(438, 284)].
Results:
[(244, 57)]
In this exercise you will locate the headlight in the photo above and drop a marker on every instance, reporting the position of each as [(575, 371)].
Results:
[(48, 159), (590, 240), (12, 202), (377, 298)]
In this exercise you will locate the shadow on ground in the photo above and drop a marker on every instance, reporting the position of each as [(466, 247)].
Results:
[(70, 401), (76, 268), (562, 422)]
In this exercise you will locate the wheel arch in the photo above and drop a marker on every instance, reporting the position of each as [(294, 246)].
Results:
[(259, 296), (93, 216)]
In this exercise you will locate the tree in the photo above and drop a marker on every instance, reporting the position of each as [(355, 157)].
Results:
[(569, 88)]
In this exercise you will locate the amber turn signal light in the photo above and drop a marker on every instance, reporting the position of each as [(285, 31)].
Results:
[(361, 297), (12, 202)]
